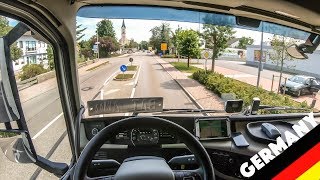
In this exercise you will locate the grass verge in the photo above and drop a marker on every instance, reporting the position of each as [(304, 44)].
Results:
[(96, 67), (132, 68), (182, 66), (124, 76)]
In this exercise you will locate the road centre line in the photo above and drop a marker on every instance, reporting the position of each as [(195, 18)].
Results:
[(47, 126), (134, 86), (135, 83)]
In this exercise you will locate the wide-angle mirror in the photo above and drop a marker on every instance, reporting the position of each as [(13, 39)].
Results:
[(15, 146)]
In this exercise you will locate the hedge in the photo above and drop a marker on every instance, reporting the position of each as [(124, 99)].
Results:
[(219, 84)]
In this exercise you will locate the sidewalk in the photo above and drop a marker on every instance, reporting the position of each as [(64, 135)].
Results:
[(205, 98), (49, 84)]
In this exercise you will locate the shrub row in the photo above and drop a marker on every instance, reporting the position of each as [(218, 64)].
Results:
[(219, 84)]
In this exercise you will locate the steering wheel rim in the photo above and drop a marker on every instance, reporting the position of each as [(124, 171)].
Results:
[(111, 130)]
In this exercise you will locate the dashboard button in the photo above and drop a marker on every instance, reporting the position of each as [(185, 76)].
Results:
[(94, 131)]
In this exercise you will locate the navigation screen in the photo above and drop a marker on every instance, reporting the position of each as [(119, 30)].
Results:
[(212, 128)]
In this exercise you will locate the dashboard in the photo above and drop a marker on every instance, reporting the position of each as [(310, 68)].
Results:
[(215, 133)]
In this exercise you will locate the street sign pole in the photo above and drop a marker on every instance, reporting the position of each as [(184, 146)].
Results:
[(261, 55), (97, 45)]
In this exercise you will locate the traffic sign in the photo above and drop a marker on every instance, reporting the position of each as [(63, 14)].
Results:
[(123, 68), (164, 46), (206, 55), (130, 59)]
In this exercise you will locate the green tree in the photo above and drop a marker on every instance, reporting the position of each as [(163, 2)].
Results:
[(50, 57), (85, 49), (175, 41), (132, 44), (143, 45), (15, 52), (216, 38), (79, 32), (244, 42), (160, 34), (279, 54), (107, 45), (4, 26), (188, 43), (105, 28)]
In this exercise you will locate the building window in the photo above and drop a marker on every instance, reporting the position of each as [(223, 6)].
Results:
[(20, 44), (31, 45)]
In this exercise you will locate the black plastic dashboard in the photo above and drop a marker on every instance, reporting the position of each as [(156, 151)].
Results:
[(225, 155)]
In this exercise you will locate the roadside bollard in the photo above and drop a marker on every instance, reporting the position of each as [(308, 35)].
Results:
[(272, 82), (314, 100), (285, 86)]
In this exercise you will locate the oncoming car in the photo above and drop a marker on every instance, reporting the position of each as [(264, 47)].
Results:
[(85, 94)]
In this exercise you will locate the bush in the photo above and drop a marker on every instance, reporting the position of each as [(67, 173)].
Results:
[(31, 70), (219, 84)]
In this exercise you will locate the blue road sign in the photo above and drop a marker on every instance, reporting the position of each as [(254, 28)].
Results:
[(123, 68)]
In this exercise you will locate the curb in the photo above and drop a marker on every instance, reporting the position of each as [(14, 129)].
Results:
[(185, 91)]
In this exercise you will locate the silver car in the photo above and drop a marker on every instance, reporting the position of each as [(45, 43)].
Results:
[(299, 85)]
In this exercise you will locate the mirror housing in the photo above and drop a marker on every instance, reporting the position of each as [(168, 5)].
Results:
[(296, 51)]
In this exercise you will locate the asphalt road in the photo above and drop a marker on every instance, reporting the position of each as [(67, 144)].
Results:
[(46, 122), (154, 81)]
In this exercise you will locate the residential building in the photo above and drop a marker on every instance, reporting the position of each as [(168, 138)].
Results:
[(34, 51)]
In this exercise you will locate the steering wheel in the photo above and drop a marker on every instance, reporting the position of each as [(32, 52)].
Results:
[(146, 167)]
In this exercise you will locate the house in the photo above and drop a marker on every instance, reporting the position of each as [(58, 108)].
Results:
[(34, 51)]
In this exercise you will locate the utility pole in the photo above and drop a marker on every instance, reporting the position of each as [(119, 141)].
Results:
[(261, 55)]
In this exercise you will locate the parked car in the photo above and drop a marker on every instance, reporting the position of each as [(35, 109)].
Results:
[(300, 85)]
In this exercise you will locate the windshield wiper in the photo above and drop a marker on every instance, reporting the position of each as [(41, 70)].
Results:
[(248, 110), (187, 111), (184, 111), (266, 107)]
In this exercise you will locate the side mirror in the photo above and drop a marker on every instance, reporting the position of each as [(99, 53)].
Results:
[(15, 146), (296, 52)]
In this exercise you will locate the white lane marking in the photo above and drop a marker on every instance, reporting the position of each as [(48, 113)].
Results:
[(101, 94), (108, 79), (134, 86), (111, 91), (135, 83), (48, 125), (101, 97), (129, 84)]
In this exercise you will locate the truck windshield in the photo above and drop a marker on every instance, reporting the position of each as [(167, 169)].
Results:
[(190, 59)]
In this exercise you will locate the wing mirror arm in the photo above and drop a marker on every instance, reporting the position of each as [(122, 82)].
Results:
[(59, 169)]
